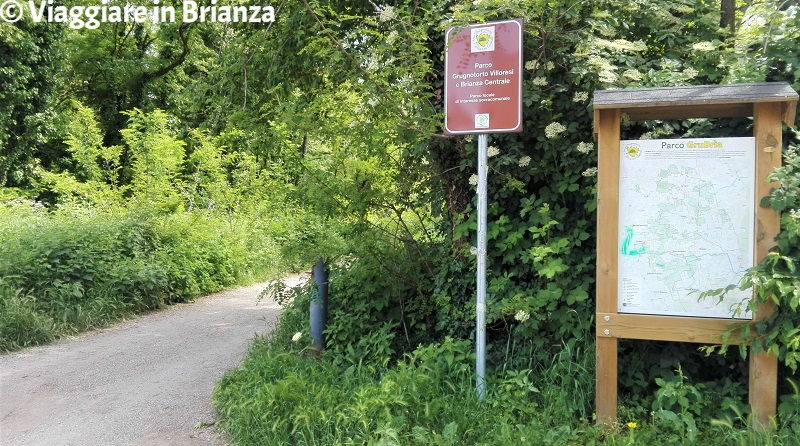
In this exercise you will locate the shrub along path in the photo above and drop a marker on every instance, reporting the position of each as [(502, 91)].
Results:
[(147, 381)]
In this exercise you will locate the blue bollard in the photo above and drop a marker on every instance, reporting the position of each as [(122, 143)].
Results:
[(319, 304)]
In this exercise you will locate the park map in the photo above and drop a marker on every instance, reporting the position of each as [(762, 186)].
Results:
[(686, 218)]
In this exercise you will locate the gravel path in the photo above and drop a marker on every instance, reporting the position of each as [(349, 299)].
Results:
[(147, 381)]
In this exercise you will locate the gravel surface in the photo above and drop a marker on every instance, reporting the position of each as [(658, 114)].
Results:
[(147, 381)]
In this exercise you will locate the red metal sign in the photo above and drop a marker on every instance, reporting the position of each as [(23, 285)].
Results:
[(483, 78)]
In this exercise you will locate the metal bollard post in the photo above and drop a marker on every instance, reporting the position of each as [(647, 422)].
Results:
[(319, 304)]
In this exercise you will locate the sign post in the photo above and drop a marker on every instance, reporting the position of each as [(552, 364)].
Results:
[(483, 94)]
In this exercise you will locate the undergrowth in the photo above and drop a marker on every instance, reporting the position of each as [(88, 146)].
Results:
[(68, 271), (286, 392)]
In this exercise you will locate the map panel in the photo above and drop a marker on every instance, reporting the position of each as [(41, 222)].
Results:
[(686, 224)]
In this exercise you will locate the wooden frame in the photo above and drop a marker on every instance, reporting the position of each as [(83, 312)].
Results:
[(769, 104)]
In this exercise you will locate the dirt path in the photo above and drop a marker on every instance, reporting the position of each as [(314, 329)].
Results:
[(144, 382)]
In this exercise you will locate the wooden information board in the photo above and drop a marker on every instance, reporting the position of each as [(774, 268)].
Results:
[(769, 104)]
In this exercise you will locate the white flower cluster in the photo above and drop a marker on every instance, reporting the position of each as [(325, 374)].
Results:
[(704, 46), (590, 172), (522, 316), (608, 31), (581, 96), (554, 129), (621, 45), (795, 214), (691, 73), (608, 77), (585, 147), (473, 179), (387, 13), (540, 81), (531, 65), (492, 151), (632, 74), (601, 63), (524, 161)]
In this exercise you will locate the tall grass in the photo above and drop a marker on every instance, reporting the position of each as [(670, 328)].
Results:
[(285, 393), (75, 269)]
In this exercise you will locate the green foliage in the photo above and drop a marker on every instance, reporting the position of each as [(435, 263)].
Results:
[(285, 393), (69, 271), (776, 279), (28, 65), (157, 157), (380, 306), (678, 403), (20, 324)]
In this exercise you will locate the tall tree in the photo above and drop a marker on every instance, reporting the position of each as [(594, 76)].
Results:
[(28, 63)]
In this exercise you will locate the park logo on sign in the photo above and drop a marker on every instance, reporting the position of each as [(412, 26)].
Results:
[(482, 39), (482, 121), (632, 151)]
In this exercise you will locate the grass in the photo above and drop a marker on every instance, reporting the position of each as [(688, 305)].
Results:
[(284, 393), (70, 271)]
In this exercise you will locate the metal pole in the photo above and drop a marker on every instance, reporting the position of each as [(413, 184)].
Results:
[(319, 304), (480, 337)]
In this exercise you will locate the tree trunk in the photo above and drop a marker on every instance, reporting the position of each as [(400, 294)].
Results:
[(728, 16)]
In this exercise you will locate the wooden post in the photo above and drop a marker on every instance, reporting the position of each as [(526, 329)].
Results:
[(767, 131), (607, 218)]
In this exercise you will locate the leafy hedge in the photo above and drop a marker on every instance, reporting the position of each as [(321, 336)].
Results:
[(70, 271)]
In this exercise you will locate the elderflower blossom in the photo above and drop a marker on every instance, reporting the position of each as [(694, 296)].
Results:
[(621, 45), (473, 179), (492, 151), (540, 81), (690, 72), (795, 214), (608, 77), (549, 66), (387, 13), (581, 96), (601, 63), (704, 46), (585, 147), (524, 161), (554, 129), (522, 316), (590, 172), (531, 65), (608, 31), (684, 9), (632, 74), (297, 336)]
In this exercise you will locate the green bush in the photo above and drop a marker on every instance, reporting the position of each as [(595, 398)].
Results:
[(285, 393), (71, 270)]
